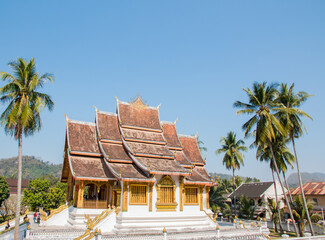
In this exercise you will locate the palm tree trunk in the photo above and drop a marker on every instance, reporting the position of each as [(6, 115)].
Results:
[(234, 186), (287, 186), (17, 215), (301, 189), (284, 193), (276, 203)]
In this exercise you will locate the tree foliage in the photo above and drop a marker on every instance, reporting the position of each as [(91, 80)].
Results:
[(4, 190), (39, 194)]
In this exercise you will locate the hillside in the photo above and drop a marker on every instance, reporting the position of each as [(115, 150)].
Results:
[(306, 177), (32, 167)]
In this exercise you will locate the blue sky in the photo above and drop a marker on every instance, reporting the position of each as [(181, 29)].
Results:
[(193, 57)]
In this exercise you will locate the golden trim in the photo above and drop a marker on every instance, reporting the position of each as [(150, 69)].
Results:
[(125, 196), (150, 196), (201, 198), (146, 194), (207, 192)]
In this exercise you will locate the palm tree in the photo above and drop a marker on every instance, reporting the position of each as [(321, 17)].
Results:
[(283, 157), (261, 104), (233, 157), (22, 115), (247, 208), (289, 114), (274, 209), (300, 214)]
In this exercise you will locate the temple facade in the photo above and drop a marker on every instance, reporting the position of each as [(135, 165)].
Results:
[(135, 163)]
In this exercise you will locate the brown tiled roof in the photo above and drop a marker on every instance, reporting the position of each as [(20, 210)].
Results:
[(170, 134), (202, 171), (182, 159), (196, 177), (128, 170), (82, 137), (144, 117), (151, 149), (13, 185), (310, 188), (191, 149), (161, 165), (251, 190), (108, 126), (115, 151), (90, 167), (142, 135)]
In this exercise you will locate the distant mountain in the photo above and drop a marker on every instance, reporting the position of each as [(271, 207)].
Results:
[(32, 167), (306, 177)]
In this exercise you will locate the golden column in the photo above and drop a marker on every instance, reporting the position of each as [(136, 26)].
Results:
[(201, 198), (125, 196), (181, 192), (207, 191), (150, 196), (80, 200)]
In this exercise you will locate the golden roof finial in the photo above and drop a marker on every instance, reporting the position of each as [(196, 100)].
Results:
[(66, 117), (116, 98), (176, 121), (159, 106), (196, 134), (95, 108)]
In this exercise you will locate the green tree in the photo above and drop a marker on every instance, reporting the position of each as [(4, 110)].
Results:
[(25, 102), (274, 209), (247, 208), (216, 198), (263, 125), (56, 198), (233, 157), (4, 190), (35, 195), (289, 114), (300, 213)]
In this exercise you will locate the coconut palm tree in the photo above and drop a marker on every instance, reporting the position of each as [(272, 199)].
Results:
[(22, 115), (300, 214), (274, 209), (263, 123), (283, 157), (233, 157), (289, 114)]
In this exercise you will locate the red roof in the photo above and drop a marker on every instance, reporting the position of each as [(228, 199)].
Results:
[(13, 182), (311, 188), (191, 149), (170, 135)]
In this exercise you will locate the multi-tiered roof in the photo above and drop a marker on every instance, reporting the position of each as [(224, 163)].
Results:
[(131, 145)]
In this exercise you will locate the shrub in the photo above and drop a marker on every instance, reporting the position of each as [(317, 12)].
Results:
[(316, 217)]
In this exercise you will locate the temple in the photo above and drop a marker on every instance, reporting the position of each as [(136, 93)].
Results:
[(140, 166)]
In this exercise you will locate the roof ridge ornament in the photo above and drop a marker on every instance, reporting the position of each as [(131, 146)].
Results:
[(176, 120), (116, 99), (159, 106), (196, 135), (95, 108), (138, 103), (66, 117)]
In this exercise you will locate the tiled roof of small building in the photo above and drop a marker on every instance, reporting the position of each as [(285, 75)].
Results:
[(182, 159), (252, 190), (13, 185), (310, 188)]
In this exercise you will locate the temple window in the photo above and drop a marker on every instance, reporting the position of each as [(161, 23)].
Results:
[(166, 189), (191, 195), (138, 194), (166, 195)]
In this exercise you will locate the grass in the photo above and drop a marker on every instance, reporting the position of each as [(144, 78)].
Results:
[(275, 235)]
